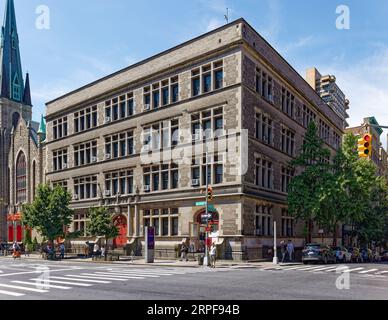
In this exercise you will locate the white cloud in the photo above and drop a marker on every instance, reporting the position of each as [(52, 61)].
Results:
[(214, 23), (300, 43)]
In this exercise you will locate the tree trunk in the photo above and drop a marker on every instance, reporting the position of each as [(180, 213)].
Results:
[(335, 235), (310, 231), (106, 249)]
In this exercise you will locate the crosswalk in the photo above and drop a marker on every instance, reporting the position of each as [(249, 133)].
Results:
[(368, 271), (98, 276)]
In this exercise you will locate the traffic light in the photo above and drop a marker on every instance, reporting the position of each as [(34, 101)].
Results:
[(210, 194), (365, 146)]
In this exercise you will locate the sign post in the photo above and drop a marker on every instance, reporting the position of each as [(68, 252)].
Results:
[(275, 250), (149, 244)]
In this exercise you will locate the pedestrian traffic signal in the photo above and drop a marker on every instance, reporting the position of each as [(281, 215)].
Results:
[(365, 146), (210, 194)]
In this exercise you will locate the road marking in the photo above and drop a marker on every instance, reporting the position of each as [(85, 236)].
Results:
[(64, 282), (82, 280), (23, 288), (43, 285), (324, 269), (308, 268), (351, 270), (103, 274), (93, 276), (38, 272), (130, 275), (367, 271), (9, 293), (382, 272), (142, 272)]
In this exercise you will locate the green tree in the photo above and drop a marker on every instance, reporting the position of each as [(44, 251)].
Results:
[(305, 189), (49, 213), (101, 225)]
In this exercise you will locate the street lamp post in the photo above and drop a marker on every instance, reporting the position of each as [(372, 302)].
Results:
[(275, 250), (206, 258)]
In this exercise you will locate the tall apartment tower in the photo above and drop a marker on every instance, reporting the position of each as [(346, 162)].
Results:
[(15, 103), (329, 91)]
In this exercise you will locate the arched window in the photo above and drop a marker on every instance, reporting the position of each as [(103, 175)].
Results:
[(16, 89), (21, 179)]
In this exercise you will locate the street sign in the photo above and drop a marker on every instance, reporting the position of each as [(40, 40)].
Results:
[(200, 204), (206, 216)]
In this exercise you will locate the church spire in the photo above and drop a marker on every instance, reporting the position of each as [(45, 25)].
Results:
[(12, 84), (27, 92)]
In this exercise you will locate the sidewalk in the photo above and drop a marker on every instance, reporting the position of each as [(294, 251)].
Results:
[(158, 262)]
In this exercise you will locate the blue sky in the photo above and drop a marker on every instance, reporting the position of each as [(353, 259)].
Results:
[(89, 39)]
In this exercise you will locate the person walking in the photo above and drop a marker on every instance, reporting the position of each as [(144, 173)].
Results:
[(184, 251), (62, 250), (213, 255), (283, 250), (290, 250), (96, 250)]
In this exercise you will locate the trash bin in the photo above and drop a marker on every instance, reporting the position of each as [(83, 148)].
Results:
[(200, 259)]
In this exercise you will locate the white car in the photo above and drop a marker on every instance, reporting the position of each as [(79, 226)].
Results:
[(342, 254)]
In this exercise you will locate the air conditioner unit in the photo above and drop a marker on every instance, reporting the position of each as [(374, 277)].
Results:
[(195, 182), (64, 166), (75, 197), (146, 147), (196, 136), (147, 188), (107, 193), (107, 119), (94, 159), (147, 107), (108, 156)]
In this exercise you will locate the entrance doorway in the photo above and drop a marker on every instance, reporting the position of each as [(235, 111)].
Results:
[(198, 229), (121, 223)]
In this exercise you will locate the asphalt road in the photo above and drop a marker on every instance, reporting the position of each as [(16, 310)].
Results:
[(66, 280)]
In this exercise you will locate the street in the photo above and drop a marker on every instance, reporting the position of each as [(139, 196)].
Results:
[(67, 280)]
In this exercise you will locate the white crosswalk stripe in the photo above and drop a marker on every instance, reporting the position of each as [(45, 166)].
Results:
[(130, 275), (368, 271), (142, 272), (382, 272), (81, 280), (94, 276), (13, 294), (66, 282), (352, 270), (23, 288), (43, 285), (324, 269)]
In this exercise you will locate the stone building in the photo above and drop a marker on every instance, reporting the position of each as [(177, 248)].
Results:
[(110, 143)]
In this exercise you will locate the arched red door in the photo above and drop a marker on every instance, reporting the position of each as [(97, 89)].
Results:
[(121, 223)]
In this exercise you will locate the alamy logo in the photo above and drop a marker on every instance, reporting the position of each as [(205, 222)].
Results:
[(43, 20), (343, 20), (343, 281)]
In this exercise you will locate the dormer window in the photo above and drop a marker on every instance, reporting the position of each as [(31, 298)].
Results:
[(16, 89)]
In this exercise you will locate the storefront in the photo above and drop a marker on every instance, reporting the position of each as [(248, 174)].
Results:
[(14, 227)]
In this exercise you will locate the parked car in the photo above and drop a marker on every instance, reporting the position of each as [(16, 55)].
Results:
[(316, 252), (384, 255), (356, 254), (342, 254)]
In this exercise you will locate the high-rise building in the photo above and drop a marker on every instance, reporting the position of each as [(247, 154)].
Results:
[(329, 91), (15, 107)]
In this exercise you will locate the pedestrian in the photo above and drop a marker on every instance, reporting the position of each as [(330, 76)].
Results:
[(213, 255), (62, 250), (102, 251), (290, 250), (283, 250), (27, 250), (86, 249), (96, 250), (184, 251)]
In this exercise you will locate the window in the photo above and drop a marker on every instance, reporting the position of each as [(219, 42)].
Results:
[(161, 135), (287, 224), (287, 175), (85, 119), (165, 221), (80, 224), (119, 107), (263, 220), (336, 141), (16, 89), (119, 145), (324, 131), (85, 187), (60, 128), (264, 173), (207, 78), (85, 153), (164, 93), (21, 179), (60, 160), (264, 85), (119, 183), (215, 170), (161, 177), (62, 184), (264, 128), (288, 103), (288, 141), (211, 121), (308, 116)]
